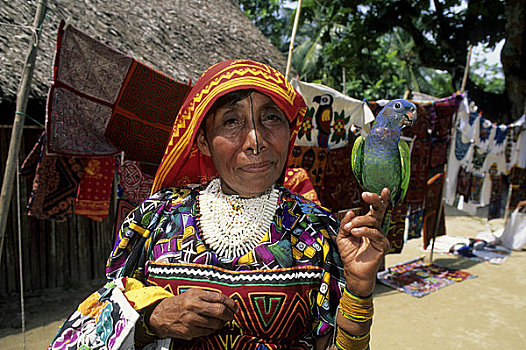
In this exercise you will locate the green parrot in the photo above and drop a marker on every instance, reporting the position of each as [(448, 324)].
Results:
[(382, 159)]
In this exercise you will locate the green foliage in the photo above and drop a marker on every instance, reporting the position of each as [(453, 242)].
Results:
[(490, 78), (385, 47), (271, 18)]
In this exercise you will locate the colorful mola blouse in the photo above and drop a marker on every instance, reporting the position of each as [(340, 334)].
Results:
[(288, 287)]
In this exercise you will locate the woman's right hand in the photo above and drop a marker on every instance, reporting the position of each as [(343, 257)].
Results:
[(192, 314)]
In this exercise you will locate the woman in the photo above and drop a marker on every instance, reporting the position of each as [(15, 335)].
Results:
[(237, 262)]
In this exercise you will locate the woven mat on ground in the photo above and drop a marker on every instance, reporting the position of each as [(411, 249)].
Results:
[(419, 278), (103, 102)]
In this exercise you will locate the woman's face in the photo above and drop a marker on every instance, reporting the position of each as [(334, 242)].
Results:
[(247, 167)]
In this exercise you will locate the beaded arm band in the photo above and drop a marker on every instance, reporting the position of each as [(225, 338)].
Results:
[(355, 308), (345, 341)]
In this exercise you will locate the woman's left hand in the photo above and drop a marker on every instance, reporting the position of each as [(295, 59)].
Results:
[(362, 244)]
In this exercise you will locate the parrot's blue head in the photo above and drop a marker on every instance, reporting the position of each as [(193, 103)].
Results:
[(397, 114)]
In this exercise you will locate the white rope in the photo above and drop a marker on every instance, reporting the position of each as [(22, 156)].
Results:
[(18, 211), (32, 29)]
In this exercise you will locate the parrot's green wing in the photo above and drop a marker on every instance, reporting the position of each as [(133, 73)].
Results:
[(357, 159), (405, 161)]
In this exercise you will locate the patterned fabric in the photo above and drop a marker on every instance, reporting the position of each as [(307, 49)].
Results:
[(105, 320), (479, 156), (495, 204), (461, 147), (183, 163), (340, 188), (464, 183), (499, 141), (55, 183), (441, 114), (102, 102), (124, 208), (420, 160), (439, 151), (476, 188), (330, 116), (419, 278), (416, 222), (297, 180), (274, 304), (144, 113), (518, 187), (76, 125), (86, 82), (511, 145), (93, 198), (313, 160), (420, 156), (395, 234), (288, 286), (134, 182)]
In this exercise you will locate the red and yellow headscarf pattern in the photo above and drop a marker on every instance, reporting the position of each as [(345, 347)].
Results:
[(183, 163)]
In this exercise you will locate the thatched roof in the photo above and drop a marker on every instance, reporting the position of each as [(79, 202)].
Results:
[(179, 38)]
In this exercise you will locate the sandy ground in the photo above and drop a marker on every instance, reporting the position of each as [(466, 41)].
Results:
[(487, 312)]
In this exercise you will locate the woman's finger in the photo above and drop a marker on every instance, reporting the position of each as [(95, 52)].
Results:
[(377, 203), (206, 321), (348, 217), (360, 221), (217, 311), (374, 235), (219, 298)]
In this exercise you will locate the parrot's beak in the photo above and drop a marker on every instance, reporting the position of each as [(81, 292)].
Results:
[(409, 119)]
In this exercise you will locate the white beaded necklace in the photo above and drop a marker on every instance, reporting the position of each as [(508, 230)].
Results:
[(231, 225)]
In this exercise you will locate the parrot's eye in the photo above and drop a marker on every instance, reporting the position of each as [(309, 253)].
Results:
[(324, 100), (397, 105)]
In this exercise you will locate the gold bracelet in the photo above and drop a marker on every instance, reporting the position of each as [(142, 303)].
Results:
[(345, 341), (355, 308)]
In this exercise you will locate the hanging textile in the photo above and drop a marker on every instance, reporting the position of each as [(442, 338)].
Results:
[(416, 222), (476, 188), (518, 187), (297, 180), (135, 184), (460, 155), (102, 102), (313, 160), (330, 116), (464, 183), (340, 188), (495, 203), (515, 151), (93, 197), (395, 234), (124, 207), (55, 182)]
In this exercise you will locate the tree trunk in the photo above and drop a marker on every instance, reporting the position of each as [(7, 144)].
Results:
[(513, 57)]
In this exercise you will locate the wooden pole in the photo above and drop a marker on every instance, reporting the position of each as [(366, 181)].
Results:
[(292, 37), (441, 207), (344, 82), (466, 70), (453, 125), (18, 125)]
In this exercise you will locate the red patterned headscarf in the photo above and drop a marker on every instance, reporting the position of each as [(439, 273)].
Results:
[(183, 163)]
